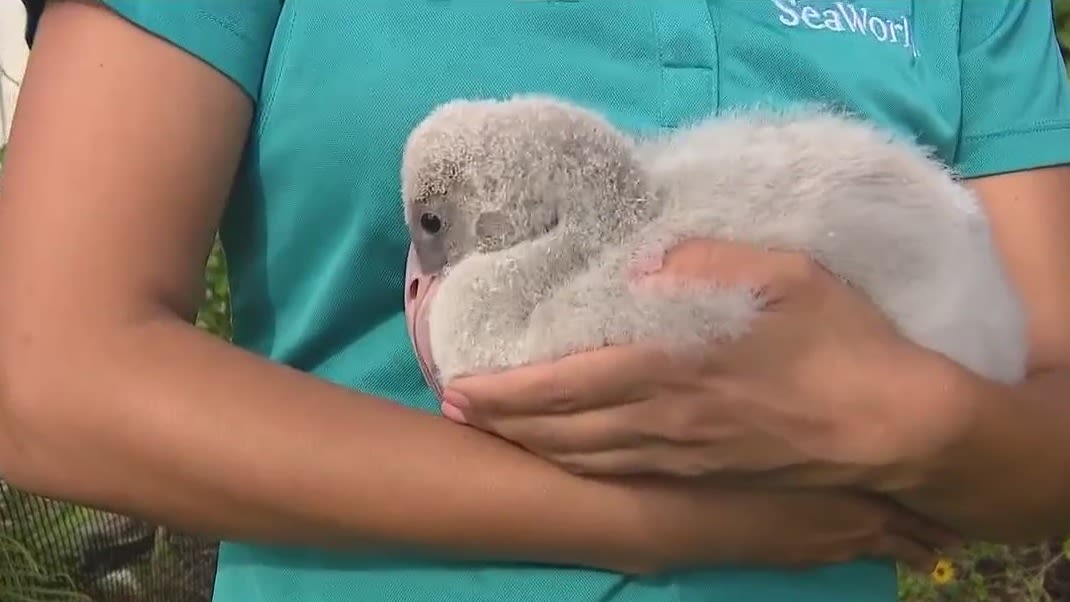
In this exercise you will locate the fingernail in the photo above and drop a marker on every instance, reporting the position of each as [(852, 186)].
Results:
[(455, 399), (453, 413)]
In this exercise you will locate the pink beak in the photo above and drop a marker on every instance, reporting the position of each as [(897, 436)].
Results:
[(419, 290)]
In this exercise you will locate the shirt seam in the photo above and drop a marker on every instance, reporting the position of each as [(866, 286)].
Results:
[(225, 26), (269, 86), (1047, 125)]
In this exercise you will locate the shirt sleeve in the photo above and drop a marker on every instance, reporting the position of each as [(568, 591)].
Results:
[(34, 8), (233, 36), (1015, 91)]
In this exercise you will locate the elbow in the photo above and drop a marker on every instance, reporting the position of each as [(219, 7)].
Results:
[(63, 423), (35, 418), (23, 425)]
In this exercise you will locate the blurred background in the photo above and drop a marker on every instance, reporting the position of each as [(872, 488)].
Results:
[(52, 551)]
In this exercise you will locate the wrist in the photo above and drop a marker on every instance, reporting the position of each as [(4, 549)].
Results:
[(934, 410), (616, 526)]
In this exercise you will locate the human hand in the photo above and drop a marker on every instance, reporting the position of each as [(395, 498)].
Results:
[(821, 390), (706, 525)]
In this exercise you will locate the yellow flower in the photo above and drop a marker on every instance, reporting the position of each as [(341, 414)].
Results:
[(943, 572)]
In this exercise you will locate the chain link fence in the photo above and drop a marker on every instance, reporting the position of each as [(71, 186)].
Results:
[(56, 551)]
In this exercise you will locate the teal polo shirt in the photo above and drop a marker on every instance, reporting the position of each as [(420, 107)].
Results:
[(315, 233)]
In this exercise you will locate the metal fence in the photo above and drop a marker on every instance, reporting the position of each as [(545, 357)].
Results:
[(51, 550)]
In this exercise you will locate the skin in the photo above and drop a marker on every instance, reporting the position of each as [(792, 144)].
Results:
[(823, 392), (1015, 440), (147, 415)]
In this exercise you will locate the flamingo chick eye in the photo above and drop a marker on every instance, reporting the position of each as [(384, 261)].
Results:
[(431, 223)]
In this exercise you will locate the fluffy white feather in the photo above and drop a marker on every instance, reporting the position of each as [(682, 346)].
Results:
[(535, 213)]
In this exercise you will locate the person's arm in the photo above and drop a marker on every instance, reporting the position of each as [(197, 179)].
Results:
[(120, 161), (1008, 478)]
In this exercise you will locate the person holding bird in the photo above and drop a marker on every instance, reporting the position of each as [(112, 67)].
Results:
[(798, 462)]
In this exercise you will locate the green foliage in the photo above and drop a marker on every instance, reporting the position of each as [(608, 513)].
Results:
[(984, 572), (214, 315), (23, 579), (1062, 24)]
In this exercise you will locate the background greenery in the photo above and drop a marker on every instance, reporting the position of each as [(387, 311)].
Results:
[(40, 555)]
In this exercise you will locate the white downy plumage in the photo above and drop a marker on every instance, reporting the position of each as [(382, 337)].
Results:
[(535, 214)]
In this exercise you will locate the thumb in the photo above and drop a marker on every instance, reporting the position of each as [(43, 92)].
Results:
[(774, 274)]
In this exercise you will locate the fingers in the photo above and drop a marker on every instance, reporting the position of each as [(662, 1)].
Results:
[(773, 273), (915, 540), (573, 384), (613, 463), (613, 375), (908, 551), (555, 436), (921, 529), (655, 460), (726, 263), (611, 441), (639, 437)]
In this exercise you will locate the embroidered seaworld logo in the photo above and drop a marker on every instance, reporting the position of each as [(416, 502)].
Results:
[(848, 17)]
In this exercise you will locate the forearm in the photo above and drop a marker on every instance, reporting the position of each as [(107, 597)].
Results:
[(166, 422), (1008, 477)]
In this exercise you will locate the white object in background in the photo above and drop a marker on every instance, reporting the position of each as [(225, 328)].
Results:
[(13, 54)]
